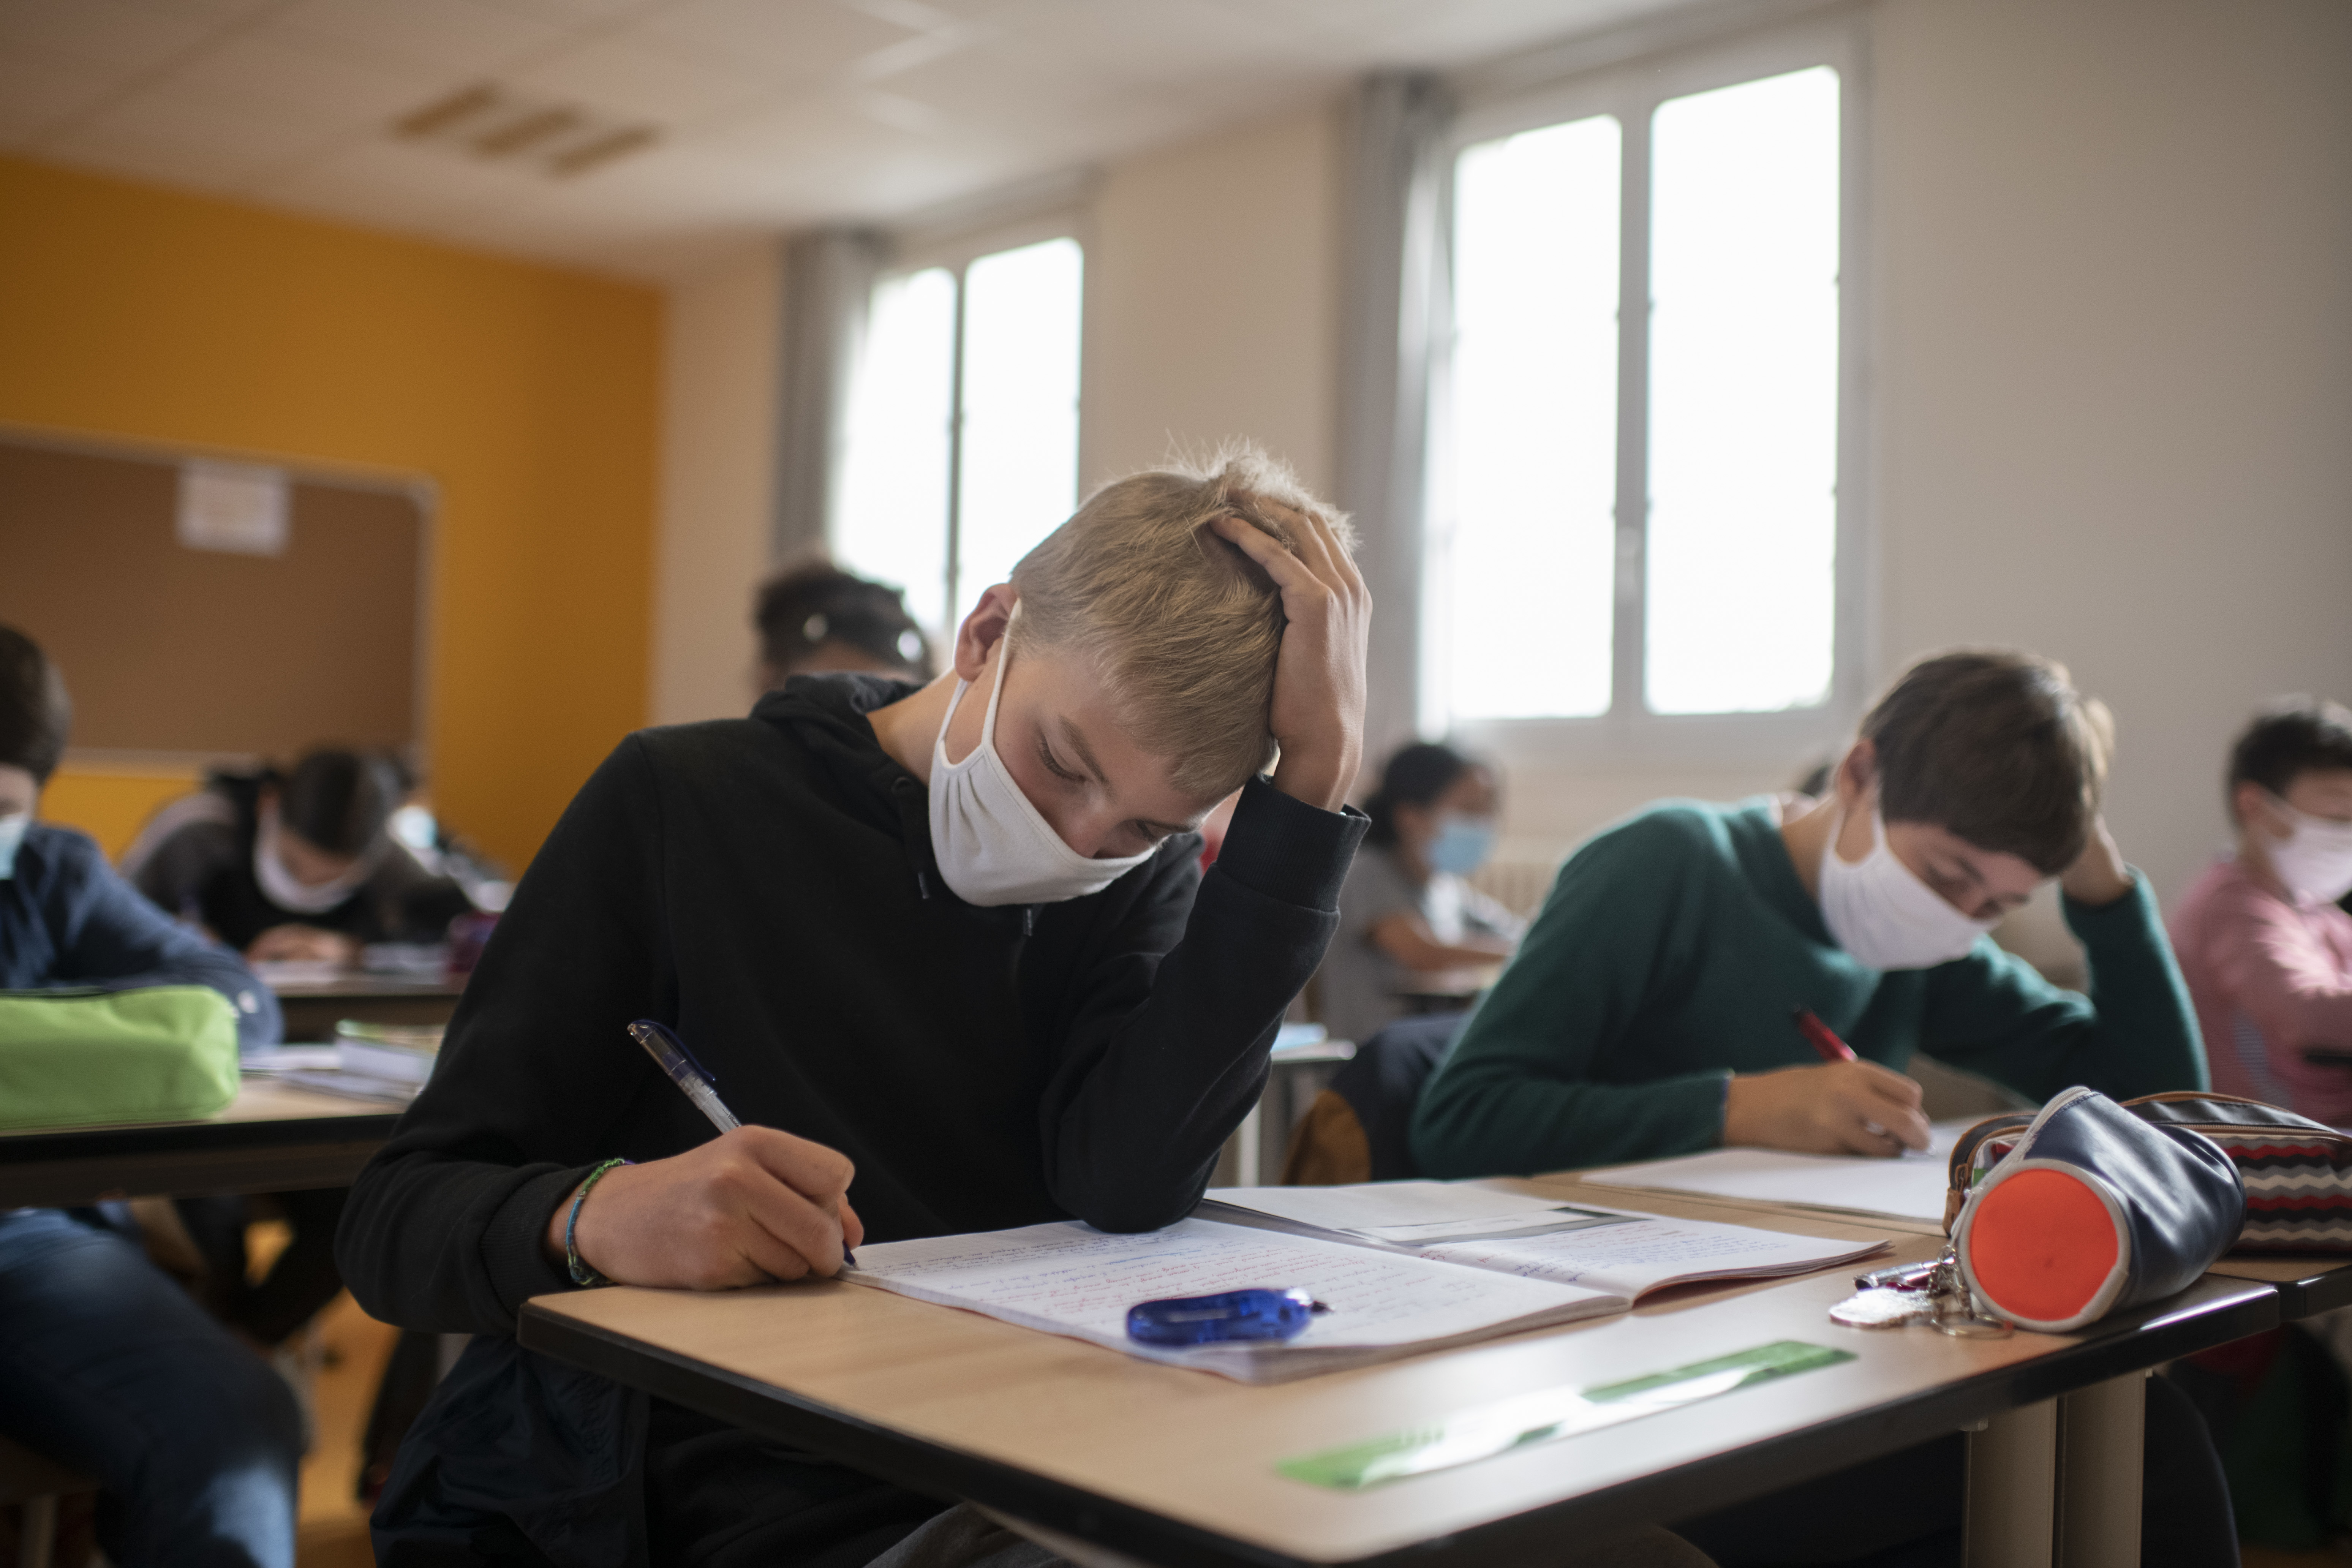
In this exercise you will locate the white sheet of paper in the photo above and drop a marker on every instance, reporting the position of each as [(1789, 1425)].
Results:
[(1911, 1186), (277, 971), (1069, 1279), (1630, 1258), (1400, 1212), (291, 1058)]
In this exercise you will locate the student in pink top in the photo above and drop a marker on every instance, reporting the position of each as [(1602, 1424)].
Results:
[(2267, 953)]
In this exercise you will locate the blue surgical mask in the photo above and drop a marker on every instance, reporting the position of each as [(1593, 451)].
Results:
[(1462, 845), (12, 838)]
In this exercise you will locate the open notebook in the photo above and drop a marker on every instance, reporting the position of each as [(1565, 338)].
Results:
[(1388, 1297), (1911, 1186)]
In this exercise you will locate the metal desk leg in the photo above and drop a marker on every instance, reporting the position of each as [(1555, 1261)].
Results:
[(2012, 1489), (2101, 1431)]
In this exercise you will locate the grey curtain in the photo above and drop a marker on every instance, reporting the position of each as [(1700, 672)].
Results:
[(828, 282), (1394, 249)]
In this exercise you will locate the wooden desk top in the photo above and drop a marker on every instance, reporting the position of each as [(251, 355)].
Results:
[(272, 1137), (1177, 1466), (359, 984)]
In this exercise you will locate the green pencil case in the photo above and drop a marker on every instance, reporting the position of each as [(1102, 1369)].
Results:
[(70, 1059)]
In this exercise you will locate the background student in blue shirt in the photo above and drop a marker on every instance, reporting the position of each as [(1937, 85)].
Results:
[(106, 1365)]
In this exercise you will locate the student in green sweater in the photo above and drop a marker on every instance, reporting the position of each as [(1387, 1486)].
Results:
[(1649, 1011)]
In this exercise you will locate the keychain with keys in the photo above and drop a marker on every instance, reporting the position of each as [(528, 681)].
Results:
[(1931, 1293)]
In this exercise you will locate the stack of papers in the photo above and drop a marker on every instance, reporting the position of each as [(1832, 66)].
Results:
[(387, 1063)]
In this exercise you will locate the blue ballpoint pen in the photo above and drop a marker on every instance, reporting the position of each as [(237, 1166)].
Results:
[(690, 1075)]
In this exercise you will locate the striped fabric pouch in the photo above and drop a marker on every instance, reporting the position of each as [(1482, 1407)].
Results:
[(2298, 1171)]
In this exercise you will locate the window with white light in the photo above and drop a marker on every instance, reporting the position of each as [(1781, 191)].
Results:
[(1635, 503), (963, 428)]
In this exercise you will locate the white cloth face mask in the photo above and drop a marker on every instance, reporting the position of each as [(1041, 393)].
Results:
[(13, 828), (2315, 859), (1885, 917), (992, 846), (280, 887)]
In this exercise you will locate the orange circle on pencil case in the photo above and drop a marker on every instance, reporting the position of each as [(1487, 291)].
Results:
[(2040, 1246)]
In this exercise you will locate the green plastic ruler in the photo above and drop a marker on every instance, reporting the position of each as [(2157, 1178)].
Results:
[(1548, 1415)]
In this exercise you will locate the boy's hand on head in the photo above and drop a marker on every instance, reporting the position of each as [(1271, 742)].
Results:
[(2098, 875), (748, 1207), (1826, 1109), (1318, 715)]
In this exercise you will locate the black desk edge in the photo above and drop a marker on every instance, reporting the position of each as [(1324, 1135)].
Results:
[(2324, 1290), (2152, 1336), (192, 1137)]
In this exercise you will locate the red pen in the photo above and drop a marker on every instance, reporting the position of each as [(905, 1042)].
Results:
[(1820, 1036)]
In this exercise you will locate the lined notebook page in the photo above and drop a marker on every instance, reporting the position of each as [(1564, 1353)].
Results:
[(1069, 1279)]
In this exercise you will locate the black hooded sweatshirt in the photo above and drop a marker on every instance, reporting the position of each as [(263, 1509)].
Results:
[(767, 887)]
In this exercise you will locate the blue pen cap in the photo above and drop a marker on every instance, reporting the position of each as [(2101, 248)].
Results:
[(1209, 1319)]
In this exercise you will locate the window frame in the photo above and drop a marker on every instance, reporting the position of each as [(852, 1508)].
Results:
[(955, 250), (1631, 90)]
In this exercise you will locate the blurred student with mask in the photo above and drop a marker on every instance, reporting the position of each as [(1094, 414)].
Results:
[(817, 619), (2267, 953), (295, 865), (1407, 915), (107, 1365)]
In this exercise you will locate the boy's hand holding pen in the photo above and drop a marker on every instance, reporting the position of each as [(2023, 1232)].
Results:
[(753, 1204), (1845, 1106)]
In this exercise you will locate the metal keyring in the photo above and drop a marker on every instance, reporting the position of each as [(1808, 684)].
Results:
[(1968, 1326)]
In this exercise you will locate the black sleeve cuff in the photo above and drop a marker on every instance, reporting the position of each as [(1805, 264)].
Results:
[(1288, 850), (511, 1253)]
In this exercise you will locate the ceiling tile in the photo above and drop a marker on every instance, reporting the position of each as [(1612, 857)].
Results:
[(610, 75), (40, 89), (102, 32), (569, 13), (229, 144), (447, 179), (282, 68), (208, 12), (779, 41), (469, 38)]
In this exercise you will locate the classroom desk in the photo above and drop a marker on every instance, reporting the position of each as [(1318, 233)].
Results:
[(2306, 1286), (312, 1009), (1176, 1469), (273, 1138)]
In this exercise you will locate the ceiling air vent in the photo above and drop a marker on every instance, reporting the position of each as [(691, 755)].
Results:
[(557, 140)]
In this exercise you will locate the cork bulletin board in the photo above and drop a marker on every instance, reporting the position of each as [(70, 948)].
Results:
[(202, 609)]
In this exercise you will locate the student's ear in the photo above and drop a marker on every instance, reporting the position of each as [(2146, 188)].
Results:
[(1858, 777), (983, 629), (2251, 803)]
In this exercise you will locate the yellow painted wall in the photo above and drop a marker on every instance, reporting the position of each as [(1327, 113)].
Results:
[(529, 395)]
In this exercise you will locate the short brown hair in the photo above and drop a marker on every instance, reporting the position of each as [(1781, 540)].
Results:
[(1996, 746), (1182, 627), (35, 714), (2290, 736)]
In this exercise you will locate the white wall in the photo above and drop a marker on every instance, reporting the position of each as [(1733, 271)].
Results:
[(2115, 406), (1212, 300), (719, 426)]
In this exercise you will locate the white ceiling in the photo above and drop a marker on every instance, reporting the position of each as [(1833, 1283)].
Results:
[(771, 113)]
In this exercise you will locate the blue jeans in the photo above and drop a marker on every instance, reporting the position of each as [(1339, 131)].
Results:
[(108, 1367)]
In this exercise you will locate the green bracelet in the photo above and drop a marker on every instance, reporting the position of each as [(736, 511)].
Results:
[(581, 1273)]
